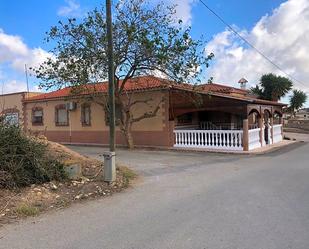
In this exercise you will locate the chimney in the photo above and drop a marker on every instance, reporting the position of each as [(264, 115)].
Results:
[(243, 83)]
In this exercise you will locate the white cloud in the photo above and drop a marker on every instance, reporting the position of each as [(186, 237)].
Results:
[(11, 86), (14, 54), (34, 58), (281, 36), (11, 46), (72, 9), (184, 9)]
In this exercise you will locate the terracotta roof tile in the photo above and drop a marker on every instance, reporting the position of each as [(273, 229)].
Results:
[(135, 84), (145, 83)]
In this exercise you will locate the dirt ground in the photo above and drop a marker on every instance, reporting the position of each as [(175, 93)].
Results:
[(33, 200)]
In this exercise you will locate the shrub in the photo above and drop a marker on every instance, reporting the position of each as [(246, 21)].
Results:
[(24, 160), (26, 210)]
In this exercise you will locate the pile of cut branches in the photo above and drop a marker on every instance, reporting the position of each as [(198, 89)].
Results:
[(24, 160)]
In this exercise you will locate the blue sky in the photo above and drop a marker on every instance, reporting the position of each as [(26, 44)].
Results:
[(265, 23)]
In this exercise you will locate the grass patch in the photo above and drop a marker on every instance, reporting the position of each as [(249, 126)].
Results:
[(127, 174), (26, 210)]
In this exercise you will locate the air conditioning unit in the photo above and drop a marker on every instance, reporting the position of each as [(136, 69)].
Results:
[(71, 106)]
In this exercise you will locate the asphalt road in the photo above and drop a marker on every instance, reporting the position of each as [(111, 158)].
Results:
[(186, 200)]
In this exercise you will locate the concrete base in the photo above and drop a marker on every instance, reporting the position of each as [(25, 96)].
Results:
[(109, 166)]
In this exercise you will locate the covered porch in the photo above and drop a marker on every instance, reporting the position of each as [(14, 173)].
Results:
[(223, 123)]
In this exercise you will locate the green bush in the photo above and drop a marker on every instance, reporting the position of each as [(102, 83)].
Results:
[(24, 160)]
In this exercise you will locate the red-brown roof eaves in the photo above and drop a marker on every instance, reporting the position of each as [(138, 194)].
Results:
[(147, 83)]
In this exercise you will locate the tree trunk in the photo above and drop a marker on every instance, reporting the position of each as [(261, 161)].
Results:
[(129, 138), (126, 123)]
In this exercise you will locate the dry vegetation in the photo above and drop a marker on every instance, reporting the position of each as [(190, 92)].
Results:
[(22, 201)]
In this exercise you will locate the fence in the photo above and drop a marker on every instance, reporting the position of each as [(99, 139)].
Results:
[(216, 139)]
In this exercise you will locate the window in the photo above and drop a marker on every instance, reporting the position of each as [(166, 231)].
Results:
[(37, 116), (11, 118), (86, 115), (61, 116)]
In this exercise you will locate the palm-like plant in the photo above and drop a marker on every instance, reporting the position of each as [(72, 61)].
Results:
[(272, 87), (297, 100)]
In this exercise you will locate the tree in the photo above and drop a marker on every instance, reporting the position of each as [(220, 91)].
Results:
[(297, 100), (272, 87), (147, 40)]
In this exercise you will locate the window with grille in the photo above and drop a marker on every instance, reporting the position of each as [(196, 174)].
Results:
[(61, 116), (11, 118), (37, 116), (86, 115)]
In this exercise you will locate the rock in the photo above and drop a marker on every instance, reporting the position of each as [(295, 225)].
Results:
[(85, 179), (78, 197), (53, 186), (73, 171), (75, 183)]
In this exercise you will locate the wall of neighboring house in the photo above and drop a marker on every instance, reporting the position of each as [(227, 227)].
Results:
[(11, 107), (147, 132)]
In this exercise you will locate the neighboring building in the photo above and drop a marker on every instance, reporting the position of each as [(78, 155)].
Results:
[(11, 107), (302, 114), (204, 116), (299, 121)]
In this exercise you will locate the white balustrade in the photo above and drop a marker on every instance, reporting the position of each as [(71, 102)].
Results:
[(214, 139), (277, 133), (254, 139)]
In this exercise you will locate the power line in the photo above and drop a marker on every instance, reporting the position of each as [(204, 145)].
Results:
[(252, 46)]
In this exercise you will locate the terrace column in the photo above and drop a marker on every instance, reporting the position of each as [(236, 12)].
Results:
[(281, 121), (272, 129), (245, 135), (261, 130)]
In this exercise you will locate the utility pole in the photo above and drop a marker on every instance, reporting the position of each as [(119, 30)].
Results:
[(110, 157)]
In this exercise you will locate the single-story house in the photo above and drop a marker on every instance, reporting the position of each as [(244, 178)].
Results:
[(209, 116)]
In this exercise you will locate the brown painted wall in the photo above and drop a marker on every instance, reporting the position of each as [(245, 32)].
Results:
[(148, 132)]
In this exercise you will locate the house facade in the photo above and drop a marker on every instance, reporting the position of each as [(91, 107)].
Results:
[(207, 116), (12, 108)]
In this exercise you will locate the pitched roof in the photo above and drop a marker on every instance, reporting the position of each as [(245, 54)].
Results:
[(221, 88), (146, 83), (136, 84)]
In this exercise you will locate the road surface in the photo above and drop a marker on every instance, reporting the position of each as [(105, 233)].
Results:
[(184, 201)]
